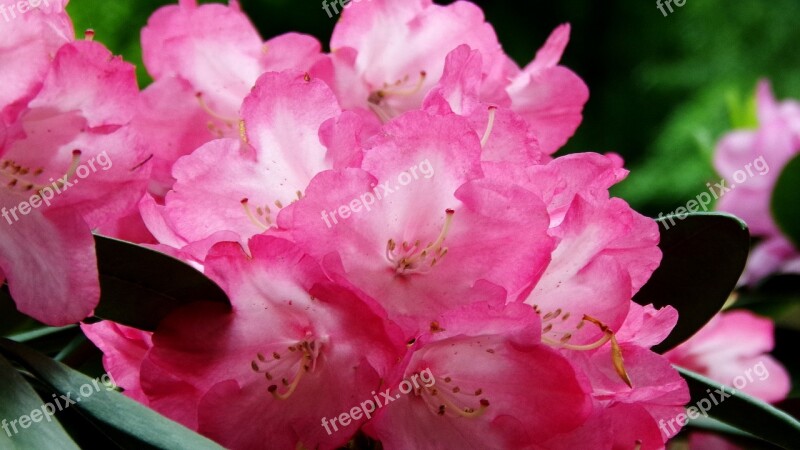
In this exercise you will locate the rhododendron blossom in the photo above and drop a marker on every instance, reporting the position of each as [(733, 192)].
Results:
[(733, 349), (74, 112), (776, 141), (383, 59), (239, 185), (421, 251), (205, 59), (288, 177), (295, 347)]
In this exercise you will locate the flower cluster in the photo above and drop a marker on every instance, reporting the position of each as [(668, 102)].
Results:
[(504, 274), (64, 105)]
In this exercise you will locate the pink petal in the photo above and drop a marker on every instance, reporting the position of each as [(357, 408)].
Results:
[(124, 349), (49, 262)]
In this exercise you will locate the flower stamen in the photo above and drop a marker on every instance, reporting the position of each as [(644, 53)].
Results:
[(306, 358), (205, 107), (489, 126), (256, 218), (411, 257), (446, 400)]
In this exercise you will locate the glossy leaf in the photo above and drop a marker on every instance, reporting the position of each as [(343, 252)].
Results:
[(126, 417), (704, 255), (743, 412), (19, 399), (785, 197), (139, 286)]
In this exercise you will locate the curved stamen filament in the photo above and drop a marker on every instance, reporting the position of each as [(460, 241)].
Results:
[(489, 126), (73, 167), (204, 105), (469, 413), (411, 255), (375, 99), (586, 347), (394, 90), (439, 398), (608, 336), (255, 220), (306, 363), (273, 389)]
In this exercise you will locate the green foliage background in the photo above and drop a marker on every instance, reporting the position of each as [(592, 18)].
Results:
[(663, 89)]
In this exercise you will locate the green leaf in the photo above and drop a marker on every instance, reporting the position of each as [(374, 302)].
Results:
[(126, 417), (704, 255), (743, 412), (785, 205), (139, 286), (20, 399)]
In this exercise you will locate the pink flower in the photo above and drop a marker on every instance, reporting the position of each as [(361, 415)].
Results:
[(124, 349), (73, 129), (205, 59), (506, 137), (232, 189), (733, 349), (604, 249), (386, 56), (295, 348), (490, 383), (769, 148), (28, 42), (420, 243)]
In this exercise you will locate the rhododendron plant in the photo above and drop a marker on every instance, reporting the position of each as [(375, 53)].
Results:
[(371, 247)]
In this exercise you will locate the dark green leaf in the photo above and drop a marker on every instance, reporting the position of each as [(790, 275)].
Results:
[(743, 412), (13, 321), (126, 417), (19, 399), (141, 286), (785, 197), (704, 255), (732, 435)]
